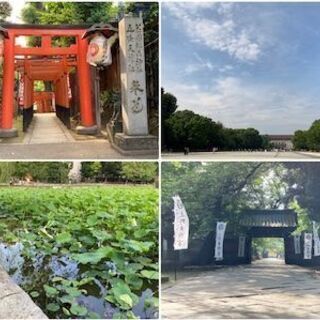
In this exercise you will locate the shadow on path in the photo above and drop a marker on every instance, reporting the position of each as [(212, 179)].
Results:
[(265, 289)]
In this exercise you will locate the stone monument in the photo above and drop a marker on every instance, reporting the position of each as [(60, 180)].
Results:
[(135, 137), (74, 175)]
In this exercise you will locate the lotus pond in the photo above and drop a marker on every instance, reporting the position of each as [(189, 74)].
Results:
[(83, 252)]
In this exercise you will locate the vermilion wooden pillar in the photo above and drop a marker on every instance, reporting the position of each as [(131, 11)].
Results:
[(86, 111), (79, 50), (6, 128)]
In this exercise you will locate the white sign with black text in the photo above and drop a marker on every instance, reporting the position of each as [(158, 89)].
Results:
[(218, 252), (316, 239), (297, 246), (181, 225), (307, 252), (241, 246)]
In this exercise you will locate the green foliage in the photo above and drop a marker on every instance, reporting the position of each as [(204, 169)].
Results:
[(6, 171), (51, 172), (57, 172), (89, 170), (5, 10), (68, 12), (168, 104), (308, 139), (187, 129), (243, 139), (313, 136), (309, 186), (150, 15), (139, 171), (111, 171), (95, 12), (300, 140), (215, 192), (39, 86), (110, 99), (112, 233), (136, 172), (273, 247), (304, 222), (210, 192), (122, 295), (29, 12), (78, 310)]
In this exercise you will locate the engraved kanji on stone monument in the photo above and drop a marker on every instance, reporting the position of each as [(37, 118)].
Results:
[(133, 82)]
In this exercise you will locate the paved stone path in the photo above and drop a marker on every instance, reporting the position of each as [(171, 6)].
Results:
[(48, 139), (242, 155), (78, 150), (47, 128), (266, 289), (14, 302)]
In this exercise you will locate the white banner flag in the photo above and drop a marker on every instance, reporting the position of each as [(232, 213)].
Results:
[(181, 225), (296, 241), (221, 228), (307, 252), (241, 246), (316, 239)]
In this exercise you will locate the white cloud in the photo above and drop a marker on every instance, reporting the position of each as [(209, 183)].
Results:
[(221, 32), (199, 64), (226, 68), (240, 105), (225, 8)]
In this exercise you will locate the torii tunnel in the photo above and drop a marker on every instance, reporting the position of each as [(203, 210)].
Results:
[(46, 62)]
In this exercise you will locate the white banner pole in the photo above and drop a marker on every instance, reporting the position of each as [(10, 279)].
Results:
[(297, 246), (316, 240), (181, 225), (220, 231), (181, 229), (307, 252)]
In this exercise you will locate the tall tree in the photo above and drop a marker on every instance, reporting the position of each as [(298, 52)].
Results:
[(210, 192), (5, 10), (300, 140), (188, 129), (168, 107), (69, 12)]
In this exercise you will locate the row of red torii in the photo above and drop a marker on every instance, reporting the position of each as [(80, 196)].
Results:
[(51, 63)]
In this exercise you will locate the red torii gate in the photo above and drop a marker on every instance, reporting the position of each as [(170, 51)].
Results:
[(45, 71)]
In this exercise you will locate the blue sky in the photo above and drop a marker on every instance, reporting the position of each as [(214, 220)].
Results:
[(244, 64)]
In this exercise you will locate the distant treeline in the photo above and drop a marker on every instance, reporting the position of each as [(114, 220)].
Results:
[(308, 139), (181, 129), (57, 172)]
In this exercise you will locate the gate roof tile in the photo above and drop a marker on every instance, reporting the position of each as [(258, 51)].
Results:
[(269, 218)]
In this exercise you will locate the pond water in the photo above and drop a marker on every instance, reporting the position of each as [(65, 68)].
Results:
[(41, 269)]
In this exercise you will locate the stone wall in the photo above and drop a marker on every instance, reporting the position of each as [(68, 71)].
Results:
[(14, 302)]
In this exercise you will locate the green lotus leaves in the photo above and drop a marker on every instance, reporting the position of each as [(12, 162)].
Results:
[(110, 233), (93, 257), (64, 237)]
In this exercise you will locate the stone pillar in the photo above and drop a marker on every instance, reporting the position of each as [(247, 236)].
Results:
[(74, 175), (135, 136)]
